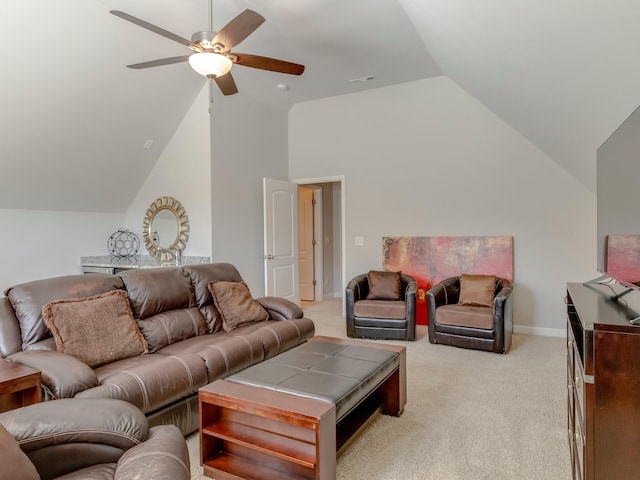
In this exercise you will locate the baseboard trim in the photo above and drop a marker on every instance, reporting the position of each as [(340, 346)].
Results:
[(543, 332)]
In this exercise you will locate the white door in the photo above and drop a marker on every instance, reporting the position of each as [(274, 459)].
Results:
[(306, 238), (281, 239)]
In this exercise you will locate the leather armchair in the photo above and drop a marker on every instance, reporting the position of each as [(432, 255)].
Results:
[(381, 319), (90, 438), (493, 334)]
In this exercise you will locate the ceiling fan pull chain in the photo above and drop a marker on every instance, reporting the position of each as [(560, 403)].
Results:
[(210, 94)]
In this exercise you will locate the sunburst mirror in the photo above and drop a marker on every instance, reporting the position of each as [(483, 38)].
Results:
[(165, 228)]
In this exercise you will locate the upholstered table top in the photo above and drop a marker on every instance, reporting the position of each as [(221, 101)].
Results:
[(341, 374)]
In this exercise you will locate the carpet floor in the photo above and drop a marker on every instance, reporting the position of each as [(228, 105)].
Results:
[(469, 415)]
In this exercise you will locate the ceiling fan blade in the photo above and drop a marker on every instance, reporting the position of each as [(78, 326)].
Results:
[(227, 84), (267, 63), (153, 28), (158, 63), (243, 25)]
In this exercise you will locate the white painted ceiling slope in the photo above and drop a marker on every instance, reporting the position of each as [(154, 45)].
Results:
[(75, 120)]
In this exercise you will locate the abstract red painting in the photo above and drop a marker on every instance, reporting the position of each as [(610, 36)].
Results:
[(623, 258), (432, 259)]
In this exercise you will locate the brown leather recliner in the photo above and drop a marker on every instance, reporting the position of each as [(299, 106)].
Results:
[(381, 319), (475, 327), (89, 438)]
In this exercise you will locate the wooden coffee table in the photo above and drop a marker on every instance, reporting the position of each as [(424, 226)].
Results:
[(251, 432), (19, 385)]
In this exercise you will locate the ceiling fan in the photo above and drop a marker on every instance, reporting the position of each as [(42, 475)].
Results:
[(212, 55)]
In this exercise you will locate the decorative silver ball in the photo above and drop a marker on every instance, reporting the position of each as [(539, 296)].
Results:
[(123, 243)]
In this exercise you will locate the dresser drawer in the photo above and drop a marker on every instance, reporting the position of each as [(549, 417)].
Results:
[(579, 388), (579, 451)]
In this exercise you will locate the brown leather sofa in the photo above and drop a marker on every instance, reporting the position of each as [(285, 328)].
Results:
[(468, 326), (81, 439), (175, 311), (381, 319)]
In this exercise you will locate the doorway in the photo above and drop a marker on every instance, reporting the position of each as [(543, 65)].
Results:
[(321, 238)]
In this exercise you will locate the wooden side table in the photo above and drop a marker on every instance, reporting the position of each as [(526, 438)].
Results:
[(19, 385)]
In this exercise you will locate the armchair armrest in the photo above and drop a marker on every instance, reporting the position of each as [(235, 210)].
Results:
[(65, 435), (504, 292), (280, 308), (503, 314), (443, 293), (63, 376), (410, 301), (358, 288), (163, 455), (502, 299)]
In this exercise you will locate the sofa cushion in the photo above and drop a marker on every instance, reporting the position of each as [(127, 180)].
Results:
[(278, 336), (212, 317), (465, 316), (28, 299), (383, 285), (156, 290), (222, 354), (380, 309), (15, 463), (201, 275), (97, 329), (169, 327), (150, 382), (477, 290), (235, 304)]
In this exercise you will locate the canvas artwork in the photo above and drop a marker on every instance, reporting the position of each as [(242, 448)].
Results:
[(623, 257), (432, 259)]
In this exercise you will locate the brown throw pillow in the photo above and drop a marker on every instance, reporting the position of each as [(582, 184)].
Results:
[(477, 290), (235, 304), (97, 329), (15, 463), (384, 285)]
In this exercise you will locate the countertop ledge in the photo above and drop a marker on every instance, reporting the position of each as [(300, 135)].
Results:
[(138, 261)]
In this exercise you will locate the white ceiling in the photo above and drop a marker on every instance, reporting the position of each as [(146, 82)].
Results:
[(74, 119)]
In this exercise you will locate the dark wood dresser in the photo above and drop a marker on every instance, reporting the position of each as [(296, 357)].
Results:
[(603, 371)]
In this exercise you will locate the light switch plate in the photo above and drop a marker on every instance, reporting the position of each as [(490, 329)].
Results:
[(359, 241)]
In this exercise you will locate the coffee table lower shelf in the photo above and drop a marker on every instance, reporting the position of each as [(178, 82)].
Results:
[(250, 433)]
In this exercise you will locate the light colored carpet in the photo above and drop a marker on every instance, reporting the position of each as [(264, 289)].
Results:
[(470, 415)]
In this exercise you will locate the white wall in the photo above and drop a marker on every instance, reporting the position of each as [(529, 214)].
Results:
[(183, 171), (249, 142), (39, 244), (427, 159)]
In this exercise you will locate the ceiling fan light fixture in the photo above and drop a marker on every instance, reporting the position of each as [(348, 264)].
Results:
[(210, 64)]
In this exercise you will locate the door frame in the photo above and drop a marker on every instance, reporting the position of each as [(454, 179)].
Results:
[(315, 222), (318, 237), (343, 253)]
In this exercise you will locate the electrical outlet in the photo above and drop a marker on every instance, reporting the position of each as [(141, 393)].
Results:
[(359, 241)]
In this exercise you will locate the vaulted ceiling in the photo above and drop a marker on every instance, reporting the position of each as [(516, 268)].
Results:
[(75, 121)]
